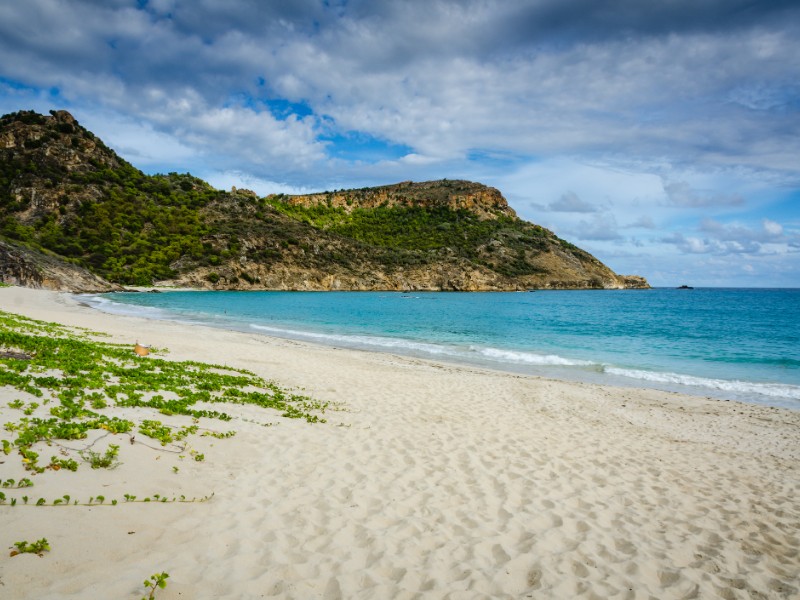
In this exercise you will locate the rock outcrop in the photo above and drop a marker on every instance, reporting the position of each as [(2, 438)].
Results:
[(483, 201), (28, 268)]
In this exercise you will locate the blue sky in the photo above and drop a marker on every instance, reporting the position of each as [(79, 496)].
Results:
[(662, 136)]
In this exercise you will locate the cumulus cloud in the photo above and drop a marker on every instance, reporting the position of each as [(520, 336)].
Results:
[(732, 239), (696, 245), (772, 228), (644, 111), (769, 231), (568, 202), (690, 245), (442, 77), (138, 141), (225, 180)]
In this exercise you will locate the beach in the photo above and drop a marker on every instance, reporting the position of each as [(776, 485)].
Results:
[(428, 480)]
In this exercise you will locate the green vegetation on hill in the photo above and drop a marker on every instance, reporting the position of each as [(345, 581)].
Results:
[(132, 233), (105, 214), (410, 228), (63, 191), (420, 229)]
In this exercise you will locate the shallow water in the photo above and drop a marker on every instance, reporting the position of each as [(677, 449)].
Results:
[(741, 344)]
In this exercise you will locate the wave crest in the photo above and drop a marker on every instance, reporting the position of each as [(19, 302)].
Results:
[(532, 358), (774, 390)]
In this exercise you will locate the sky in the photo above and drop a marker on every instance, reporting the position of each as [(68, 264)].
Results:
[(661, 136)]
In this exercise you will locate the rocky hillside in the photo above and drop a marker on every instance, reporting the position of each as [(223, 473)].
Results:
[(66, 197), (480, 200), (26, 267)]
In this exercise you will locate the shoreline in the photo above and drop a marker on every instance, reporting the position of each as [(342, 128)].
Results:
[(551, 364), (429, 479)]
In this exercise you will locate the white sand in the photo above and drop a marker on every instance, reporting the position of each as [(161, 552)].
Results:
[(436, 482)]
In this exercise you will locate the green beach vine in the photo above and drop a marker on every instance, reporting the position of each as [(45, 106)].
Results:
[(77, 381)]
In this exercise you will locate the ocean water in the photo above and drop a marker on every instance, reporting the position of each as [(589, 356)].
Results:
[(740, 344)]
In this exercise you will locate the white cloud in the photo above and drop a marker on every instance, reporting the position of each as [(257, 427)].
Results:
[(547, 182), (692, 245), (619, 115), (772, 228), (442, 77), (415, 159), (723, 239), (769, 231), (225, 180), (137, 141)]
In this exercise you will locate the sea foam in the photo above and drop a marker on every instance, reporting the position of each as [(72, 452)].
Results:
[(104, 304), (774, 390), (472, 353), (358, 341), (532, 358)]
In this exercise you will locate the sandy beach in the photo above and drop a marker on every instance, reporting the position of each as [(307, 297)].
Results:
[(427, 481)]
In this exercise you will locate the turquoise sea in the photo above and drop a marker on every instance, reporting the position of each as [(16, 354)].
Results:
[(740, 344)]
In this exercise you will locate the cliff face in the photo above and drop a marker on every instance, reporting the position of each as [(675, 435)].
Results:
[(455, 276), (483, 201), (62, 190), (28, 268)]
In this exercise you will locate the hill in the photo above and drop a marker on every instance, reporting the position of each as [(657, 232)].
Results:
[(65, 195)]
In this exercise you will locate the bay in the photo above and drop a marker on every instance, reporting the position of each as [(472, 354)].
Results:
[(741, 344)]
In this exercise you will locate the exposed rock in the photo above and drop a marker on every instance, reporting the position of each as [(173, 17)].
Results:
[(484, 201), (634, 282), (28, 268)]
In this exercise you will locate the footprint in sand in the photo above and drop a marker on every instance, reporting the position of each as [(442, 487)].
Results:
[(580, 569), (668, 577), (534, 578), (624, 546), (500, 556)]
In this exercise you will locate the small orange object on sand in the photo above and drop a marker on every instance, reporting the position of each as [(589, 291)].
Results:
[(141, 350)]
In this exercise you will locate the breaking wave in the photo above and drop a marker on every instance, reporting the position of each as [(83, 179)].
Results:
[(773, 390), (532, 358), (484, 355)]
